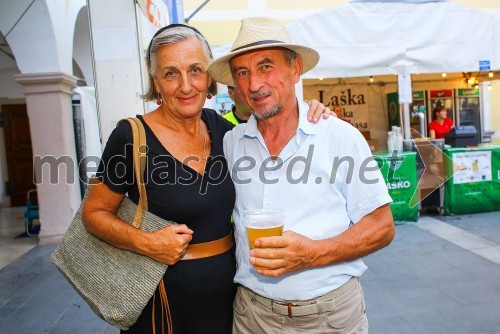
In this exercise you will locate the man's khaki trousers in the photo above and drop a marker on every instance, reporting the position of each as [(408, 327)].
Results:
[(348, 316)]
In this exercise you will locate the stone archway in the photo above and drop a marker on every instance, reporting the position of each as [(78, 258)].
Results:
[(40, 34), (82, 55), (11, 93)]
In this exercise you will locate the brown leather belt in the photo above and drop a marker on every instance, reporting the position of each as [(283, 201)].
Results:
[(211, 248)]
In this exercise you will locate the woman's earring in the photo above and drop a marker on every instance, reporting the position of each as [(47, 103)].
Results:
[(209, 96), (159, 102)]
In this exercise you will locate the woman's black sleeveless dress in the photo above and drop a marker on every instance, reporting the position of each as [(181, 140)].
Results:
[(200, 292)]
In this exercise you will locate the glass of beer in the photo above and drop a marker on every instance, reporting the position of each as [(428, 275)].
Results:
[(263, 223)]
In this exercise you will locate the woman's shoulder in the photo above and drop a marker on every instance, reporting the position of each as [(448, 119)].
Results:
[(217, 121), (209, 113), (120, 136)]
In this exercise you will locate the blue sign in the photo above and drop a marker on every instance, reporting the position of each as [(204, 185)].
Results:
[(484, 65), (176, 10)]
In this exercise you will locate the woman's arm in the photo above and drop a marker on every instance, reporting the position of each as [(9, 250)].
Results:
[(167, 245), (451, 123), (432, 133)]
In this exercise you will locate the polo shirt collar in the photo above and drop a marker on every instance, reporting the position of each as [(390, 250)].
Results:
[(304, 125)]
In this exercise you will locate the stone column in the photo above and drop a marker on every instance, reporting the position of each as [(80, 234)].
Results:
[(48, 99)]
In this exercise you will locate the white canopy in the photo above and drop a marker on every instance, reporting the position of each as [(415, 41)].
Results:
[(361, 39), (377, 38)]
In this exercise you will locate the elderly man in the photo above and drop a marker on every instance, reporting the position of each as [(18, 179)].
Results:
[(323, 176)]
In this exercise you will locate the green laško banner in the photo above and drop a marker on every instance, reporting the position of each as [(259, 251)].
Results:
[(393, 106), (475, 182), (393, 110), (464, 92), (400, 174)]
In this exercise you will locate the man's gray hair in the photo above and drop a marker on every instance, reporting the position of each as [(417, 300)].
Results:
[(290, 56)]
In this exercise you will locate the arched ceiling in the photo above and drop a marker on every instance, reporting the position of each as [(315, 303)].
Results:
[(82, 54)]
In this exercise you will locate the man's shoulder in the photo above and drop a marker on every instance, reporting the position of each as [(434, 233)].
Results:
[(334, 126)]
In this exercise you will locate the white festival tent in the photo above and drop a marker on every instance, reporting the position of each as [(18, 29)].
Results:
[(378, 38), (369, 38)]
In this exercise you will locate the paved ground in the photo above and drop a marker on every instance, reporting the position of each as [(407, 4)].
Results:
[(440, 275)]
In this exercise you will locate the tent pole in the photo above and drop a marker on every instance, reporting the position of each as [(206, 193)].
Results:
[(406, 120)]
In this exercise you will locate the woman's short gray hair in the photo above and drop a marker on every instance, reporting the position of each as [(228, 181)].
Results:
[(168, 36)]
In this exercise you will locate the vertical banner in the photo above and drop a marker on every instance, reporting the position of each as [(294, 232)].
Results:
[(393, 110), (117, 61), (157, 13), (154, 14), (175, 10), (400, 175), (223, 103), (350, 100)]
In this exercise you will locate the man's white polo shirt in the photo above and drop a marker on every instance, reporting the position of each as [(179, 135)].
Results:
[(325, 179)]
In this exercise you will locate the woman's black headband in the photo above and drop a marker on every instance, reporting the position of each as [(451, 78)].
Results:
[(170, 26)]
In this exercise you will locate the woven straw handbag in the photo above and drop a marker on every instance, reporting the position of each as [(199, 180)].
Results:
[(117, 284)]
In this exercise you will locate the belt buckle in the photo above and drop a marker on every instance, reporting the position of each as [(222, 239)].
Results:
[(288, 305)]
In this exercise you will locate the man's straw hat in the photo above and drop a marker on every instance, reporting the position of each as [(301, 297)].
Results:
[(258, 33)]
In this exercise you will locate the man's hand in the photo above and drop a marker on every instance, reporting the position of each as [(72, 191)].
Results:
[(293, 251), (290, 252), (316, 110)]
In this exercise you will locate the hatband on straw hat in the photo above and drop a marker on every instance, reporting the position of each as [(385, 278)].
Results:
[(259, 33)]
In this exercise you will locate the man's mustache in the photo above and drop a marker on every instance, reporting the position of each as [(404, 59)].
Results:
[(260, 94)]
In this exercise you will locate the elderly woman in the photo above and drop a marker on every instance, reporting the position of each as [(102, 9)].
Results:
[(186, 181)]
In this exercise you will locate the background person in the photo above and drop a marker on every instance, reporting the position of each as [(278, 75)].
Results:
[(240, 113), (441, 123), (311, 272), (339, 112)]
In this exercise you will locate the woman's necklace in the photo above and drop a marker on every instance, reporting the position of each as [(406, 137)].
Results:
[(203, 155), (276, 154)]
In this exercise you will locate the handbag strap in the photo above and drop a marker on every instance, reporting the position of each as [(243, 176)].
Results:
[(140, 149)]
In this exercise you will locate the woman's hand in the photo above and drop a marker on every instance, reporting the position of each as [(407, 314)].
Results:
[(316, 110), (166, 245), (169, 244)]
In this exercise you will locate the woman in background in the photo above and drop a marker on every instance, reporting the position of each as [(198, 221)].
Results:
[(441, 123)]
